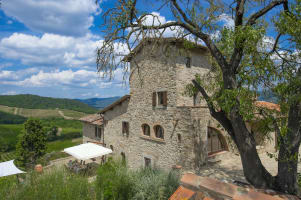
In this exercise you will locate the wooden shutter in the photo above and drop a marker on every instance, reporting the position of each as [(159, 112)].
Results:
[(154, 98), (123, 127), (127, 127), (165, 98)]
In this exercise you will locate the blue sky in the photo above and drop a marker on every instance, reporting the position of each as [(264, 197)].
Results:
[(47, 47)]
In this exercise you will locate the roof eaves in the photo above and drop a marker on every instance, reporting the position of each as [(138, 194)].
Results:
[(122, 99)]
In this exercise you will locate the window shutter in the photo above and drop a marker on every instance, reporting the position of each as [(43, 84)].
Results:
[(165, 98), (123, 127), (127, 128), (154, 98)]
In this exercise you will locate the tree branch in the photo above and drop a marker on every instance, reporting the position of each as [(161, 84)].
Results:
[(219, 116), (260, 13)]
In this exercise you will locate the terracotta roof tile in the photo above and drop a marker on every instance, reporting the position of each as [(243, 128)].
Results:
[(90, 118), (98, 122), (182, 193), (268, 105)]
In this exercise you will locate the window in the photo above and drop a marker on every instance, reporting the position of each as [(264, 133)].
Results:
[(179, 138), (160, 98), (98, 132), (111, 147), (188, 62), (159, 132), (147, 162), (125, 128), (146, 129)]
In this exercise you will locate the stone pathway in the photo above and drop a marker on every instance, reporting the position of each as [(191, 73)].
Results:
[(229, 169)]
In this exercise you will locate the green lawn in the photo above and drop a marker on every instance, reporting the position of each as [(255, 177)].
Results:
[(62, 144)]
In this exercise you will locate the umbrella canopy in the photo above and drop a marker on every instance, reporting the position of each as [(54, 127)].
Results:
[(87, 151), (8, 168)]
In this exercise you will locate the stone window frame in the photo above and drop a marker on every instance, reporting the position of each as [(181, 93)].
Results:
[(143, 129), (155, 131)]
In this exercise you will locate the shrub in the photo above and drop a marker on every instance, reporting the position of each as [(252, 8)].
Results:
[(116, 181), (54, 184)]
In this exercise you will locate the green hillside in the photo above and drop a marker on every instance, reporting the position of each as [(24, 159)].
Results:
[(36, 102), (7, 118)]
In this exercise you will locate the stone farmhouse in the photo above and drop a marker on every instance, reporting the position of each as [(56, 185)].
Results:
[(156, 125)]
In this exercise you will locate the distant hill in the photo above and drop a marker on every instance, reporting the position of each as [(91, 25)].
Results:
[(7, 118), (37, 102), (267, 96), (99, 103)]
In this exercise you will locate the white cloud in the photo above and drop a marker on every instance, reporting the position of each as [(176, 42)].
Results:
[(65, 17), (57, 78), (227, 20), (50, 50)]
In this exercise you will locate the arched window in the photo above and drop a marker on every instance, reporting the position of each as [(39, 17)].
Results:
[(159, 132), (146, 129), (111, 147)]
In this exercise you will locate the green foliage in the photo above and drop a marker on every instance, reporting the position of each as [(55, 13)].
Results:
[(54, 184), (37, 102), (8, 136), (32, 143), (7, 118), (116, 181)]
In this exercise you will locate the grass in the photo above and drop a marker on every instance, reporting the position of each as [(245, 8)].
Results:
[(114, 182), (70, 129), (7, 156), (41, 113), (73, 114), (9, 136), (54, 184), (62, 144)]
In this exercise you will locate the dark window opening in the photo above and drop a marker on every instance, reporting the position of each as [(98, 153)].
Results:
[(146, 129), (159, 132), (179, 138), (147, 162), (98, 132), (160, 98), (188, 62), (125, 128), (215, 143)]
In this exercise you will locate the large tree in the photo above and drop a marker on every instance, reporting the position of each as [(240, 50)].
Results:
[(260, 50), (32, 143)]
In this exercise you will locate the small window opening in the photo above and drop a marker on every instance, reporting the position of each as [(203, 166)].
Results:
[(111, 147), (98, 132), (188, 62), (146, 129), (147, 162), (125, 128), (159, 132), (160, 98), (179, 138)]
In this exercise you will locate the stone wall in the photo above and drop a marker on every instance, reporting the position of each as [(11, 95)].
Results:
[(89, 133), (185, 128)]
